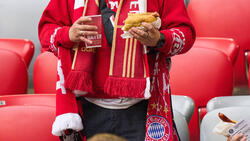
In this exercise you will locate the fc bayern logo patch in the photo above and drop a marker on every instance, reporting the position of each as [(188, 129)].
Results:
[(158, 128)]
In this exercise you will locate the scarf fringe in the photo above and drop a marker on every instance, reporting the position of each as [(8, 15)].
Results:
[(125, 87), (79, 80), (147, 93)]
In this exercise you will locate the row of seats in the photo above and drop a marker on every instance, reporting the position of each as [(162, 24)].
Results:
[(39, 108), (202, 74), (39, 113), (223, 18), (27, 117), (220, 19), (211, 76)]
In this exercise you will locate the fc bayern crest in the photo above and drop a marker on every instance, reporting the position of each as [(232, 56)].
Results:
[(158, 129)]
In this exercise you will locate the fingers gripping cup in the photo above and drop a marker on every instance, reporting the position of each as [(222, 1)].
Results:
[(79, 80)]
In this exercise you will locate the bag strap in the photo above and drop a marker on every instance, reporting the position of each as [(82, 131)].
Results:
[(107, 14)]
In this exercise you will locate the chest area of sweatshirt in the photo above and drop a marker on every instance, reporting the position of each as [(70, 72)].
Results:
[(128, 6)]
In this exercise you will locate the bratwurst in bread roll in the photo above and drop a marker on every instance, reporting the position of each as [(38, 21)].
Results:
[(225, 124), (226, 119), (135, 19)]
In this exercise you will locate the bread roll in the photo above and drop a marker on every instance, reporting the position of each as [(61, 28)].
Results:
[(135, 19)]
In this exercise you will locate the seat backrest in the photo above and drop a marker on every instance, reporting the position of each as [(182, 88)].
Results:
[(30, 99), (27, 123), (201, 74), (13, 73), (44, 73), (224, 18), (227, 101), (184, 105), (211, 119), (225, 45), (181, 125), (24, 47)]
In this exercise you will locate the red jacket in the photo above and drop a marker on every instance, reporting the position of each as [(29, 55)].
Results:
[(54, 27), (59, 15), (176, 27)]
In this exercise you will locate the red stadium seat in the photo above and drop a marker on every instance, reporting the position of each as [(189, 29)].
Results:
[(27, 123), (226, 45), (23, 47), (224, 18), (202, 74), (30, 99), (13, 73), (44, 74)]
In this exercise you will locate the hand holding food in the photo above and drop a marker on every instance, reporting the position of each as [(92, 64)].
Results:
[(136, 19), (143, 27), (225, 123), (238, 137)]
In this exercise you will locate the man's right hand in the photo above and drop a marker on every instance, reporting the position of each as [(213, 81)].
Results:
[(238, 137), (80, 29)]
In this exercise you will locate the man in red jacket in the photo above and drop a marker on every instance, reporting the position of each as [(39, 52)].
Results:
[(115, 80)]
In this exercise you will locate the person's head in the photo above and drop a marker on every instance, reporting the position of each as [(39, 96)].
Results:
[(106, 137)]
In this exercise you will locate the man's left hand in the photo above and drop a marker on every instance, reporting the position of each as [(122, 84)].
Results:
[(149, 36), (237, 137)]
